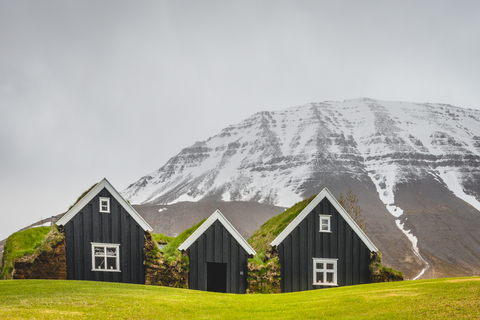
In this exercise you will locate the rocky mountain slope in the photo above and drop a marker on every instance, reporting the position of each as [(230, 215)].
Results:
[(175, 218), (414, 166)]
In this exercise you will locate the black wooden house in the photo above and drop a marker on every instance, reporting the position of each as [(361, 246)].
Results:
[(218, 257), (104, 238), (323, 247)]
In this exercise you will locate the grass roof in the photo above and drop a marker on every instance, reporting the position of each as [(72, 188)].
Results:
[(261, 239), (160, 238), (19, 244), (82, 195), (171, 251)]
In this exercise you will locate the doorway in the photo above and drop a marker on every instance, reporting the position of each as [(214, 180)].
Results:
[(216, 277)]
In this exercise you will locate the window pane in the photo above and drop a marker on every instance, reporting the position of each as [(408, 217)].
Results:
[(112, 263), (319, 265), (319, 277), (99, 251), (99, 263), (330, 266), (329, 277), (324, 224), (112, 252)]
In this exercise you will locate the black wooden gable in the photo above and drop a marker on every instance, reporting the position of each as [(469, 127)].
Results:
[(117, 229), (303, 242), (218, 257)]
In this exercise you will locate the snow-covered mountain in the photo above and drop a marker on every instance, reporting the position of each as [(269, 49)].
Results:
[(388, 148)]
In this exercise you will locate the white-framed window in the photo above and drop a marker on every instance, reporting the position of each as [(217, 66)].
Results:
[(104, 204), (105, 257), (325, 225), (325, 272)]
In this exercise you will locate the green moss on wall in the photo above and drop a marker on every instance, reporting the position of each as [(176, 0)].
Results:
[(27, 245), (380, 273)]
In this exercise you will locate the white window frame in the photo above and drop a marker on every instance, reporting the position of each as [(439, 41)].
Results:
[(108, 204), (325, 270), (327, 218), (105, 256)]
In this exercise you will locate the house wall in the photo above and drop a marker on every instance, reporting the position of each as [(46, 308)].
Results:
[(117, 227), (217, 245), (306, 242)]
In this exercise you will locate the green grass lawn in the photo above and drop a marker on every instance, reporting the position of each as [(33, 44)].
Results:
[(56, 299)]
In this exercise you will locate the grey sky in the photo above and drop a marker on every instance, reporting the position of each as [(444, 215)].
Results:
[(93, 89)]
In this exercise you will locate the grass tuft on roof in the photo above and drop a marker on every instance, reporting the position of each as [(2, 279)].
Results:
[(170, 251), (160, 238), (261, 239)]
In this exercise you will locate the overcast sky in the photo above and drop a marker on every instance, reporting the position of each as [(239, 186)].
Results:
[(93, 89)]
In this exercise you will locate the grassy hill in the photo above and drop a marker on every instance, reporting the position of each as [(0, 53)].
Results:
[(56, 299)]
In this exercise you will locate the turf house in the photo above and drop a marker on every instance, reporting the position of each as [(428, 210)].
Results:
[(323, 247), (218, 257), (104, 238)]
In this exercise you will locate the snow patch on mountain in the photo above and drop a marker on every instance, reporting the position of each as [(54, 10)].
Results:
[(452, 181), (414, 240)]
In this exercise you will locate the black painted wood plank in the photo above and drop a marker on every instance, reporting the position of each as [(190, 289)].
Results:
[(364, 257), (96, 225), (87, 243), (127, 252), (281, 258), (288, 263), (202, 267), (234, 266), (302, 257), (133, 255), (70, 250), (192, 266), (341, 253), (295, 259), (210, 241), (356, 259), (335, 221), (226, 249), (311, 252), (218, 237), (78, 241), (348, 256)]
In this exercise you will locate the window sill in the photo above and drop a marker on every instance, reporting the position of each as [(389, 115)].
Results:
[(325, 231), (106, 270), (326, 284)]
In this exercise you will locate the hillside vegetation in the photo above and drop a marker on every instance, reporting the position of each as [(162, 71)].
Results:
[(57, 299), (19, 244)]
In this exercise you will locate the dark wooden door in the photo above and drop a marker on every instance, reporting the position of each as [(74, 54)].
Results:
[(216, 277)]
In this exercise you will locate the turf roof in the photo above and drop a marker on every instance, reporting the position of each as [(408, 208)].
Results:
[(261, 239)]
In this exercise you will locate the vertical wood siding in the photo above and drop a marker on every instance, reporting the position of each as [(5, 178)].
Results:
[(216, 244), (118, 227), (306, 242)]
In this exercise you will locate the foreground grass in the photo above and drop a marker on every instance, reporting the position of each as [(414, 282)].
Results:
[(55, 299)]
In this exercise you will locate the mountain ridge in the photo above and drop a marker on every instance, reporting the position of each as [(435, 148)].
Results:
[(378, 147)]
